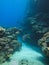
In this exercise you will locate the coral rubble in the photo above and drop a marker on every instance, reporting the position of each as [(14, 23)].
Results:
[(8, 43), (24, 62)]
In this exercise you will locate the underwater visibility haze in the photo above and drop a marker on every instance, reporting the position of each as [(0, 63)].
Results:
[(11, 12), (24, 32)]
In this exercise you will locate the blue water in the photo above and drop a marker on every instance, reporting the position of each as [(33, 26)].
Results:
[(12, 12)]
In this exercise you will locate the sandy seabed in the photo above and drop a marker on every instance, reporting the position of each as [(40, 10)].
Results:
[(27, 54)]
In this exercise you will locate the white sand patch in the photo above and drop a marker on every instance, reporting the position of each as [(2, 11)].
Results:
[(25, 53)]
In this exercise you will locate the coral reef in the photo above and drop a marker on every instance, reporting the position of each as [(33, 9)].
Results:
[(40, 23), (38, 27), (8, 43), (44, 43), (2, 31)]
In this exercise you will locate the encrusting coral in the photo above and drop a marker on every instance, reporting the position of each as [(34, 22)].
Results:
[(44, 43), (8, 43)]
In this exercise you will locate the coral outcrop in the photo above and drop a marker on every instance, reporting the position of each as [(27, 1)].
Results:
[(8, 43), (40, 23), (23, 62), (38, 27), (2, 31), (44, 43)]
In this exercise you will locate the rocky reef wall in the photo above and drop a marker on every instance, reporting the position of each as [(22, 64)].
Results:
[(37, 23)]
